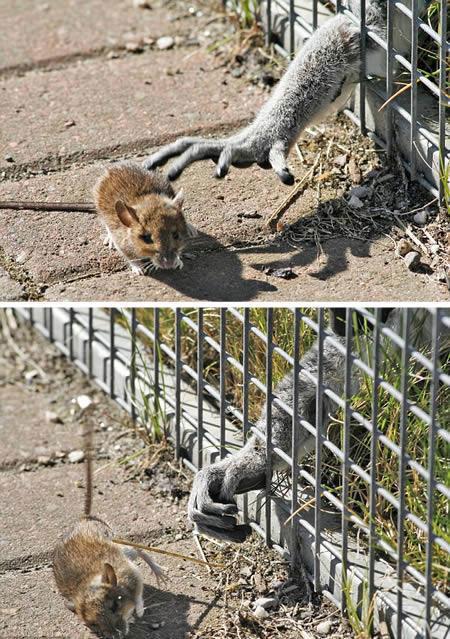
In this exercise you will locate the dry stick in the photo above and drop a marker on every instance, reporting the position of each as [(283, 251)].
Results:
[(276, 215), (159, 551), (86, 207)]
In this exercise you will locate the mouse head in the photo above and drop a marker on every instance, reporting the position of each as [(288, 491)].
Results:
[(157, 228), (107, 607)]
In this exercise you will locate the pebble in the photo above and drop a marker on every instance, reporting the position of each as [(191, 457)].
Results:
[(155, 626), (324, 627), (260, 613), (52, 418), (355, 203), (134, 47), (265, 602), (165, 42), (412, 259), (421, 218), (360, 191), (21, 258), (83, 401), (112, 55), (75, 456), (341, 160), (237, 72), (9, 158), (142, 4), (69, 123)]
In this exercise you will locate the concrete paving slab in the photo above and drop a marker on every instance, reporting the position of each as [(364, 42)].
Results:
[(38, 436), (352, 270), (50, 500), (133, 102), (39, 32), (31, 601), (10, 291)]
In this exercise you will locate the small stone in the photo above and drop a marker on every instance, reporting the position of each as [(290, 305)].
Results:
[(265, 602), (355, 203), (421, 218), (165, 42), (142, 4), (246, 571), (30, 375), (403, 247), (134, 47), (75, 456), (69, 123), (21, 258), (324, 628), (360, 191), (237, 72), (44, 460), (155, 626), (179, 41), (112, 55), (9, 158), (260, 613), (412, 259), (52, 418), (179, 537), (83, 401), (341, 160)]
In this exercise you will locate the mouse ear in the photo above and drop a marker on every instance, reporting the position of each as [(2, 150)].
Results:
[(126, 214), (178, 200), (109, 575)]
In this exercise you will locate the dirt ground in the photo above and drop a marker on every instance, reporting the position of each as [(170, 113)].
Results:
[(106, 89), (142, 492)]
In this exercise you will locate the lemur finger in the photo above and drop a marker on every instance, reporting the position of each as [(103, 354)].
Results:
[(223, 165), (277, 158), (159, 158), (199, 151)]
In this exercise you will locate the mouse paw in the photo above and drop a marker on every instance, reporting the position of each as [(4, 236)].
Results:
[(137, 269)]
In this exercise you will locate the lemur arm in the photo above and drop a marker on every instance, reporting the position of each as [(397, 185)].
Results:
[(322, 74)]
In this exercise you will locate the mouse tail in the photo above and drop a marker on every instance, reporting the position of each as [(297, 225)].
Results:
[(88, 454)]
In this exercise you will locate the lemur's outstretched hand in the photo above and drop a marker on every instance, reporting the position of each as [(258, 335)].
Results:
[(320, 79)]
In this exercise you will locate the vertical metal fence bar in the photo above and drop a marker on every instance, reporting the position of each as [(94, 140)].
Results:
[(373, 461), (200, 388), (292, 28), (112, 350), (222, 378), (269, 370), (269, 23), (31, 316), (414, 76), (315, 20), (318, 448), (245, 387), (133, 364), (178, 355), (389, 76), (71, 321), (402, 469), (434, 389), (50, 323), (346, 450), (295, 433), (443, 96), (90, 340), (362, 85)]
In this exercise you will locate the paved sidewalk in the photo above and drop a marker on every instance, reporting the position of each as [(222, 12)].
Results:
[(41, 496), (74, 96)]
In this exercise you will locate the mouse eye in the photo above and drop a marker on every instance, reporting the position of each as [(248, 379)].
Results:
[(147, 238), (176, 235)]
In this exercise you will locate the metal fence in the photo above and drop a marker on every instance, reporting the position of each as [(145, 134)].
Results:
[(380, 466), (403, 96)]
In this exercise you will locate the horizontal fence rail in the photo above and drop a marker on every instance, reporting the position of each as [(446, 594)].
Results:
[(403, 98), (368, 509)]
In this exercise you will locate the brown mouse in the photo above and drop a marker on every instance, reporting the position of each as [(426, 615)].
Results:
[(143, 217), (97, 578)]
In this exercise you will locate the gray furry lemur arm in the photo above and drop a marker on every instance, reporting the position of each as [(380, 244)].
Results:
[(211, 505), (320, 77)]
